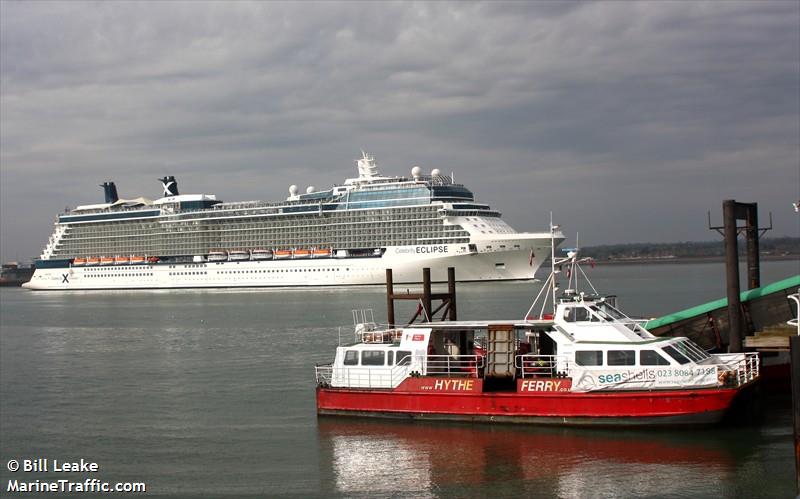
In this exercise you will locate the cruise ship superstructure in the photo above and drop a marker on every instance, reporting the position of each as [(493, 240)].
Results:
[(347, 235)]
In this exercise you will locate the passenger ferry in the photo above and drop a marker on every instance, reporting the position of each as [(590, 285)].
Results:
[(584, 363), (346, 235)]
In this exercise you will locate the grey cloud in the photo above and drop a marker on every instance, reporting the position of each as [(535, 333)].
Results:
[(641, 110)]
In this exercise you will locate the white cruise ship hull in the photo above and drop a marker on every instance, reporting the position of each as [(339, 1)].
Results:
[(480, 263)]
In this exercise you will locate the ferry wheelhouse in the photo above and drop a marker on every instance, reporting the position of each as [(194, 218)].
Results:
[(346, 235), (585, 363)]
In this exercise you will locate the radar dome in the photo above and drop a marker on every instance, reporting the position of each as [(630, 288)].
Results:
[(310, 189), (416, 171), (435, 172), (293, 190)]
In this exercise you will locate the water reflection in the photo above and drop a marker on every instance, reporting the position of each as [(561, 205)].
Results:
[(439, 460)]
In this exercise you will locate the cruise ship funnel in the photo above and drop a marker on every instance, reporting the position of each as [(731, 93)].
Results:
[(111, 192), (170, 186)]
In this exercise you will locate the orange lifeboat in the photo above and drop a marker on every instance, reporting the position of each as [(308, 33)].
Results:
[(121, 260), (92, 260), (302, 253), (79, 261), (106, 260), (136, 259), (321, 253), (282, 254)]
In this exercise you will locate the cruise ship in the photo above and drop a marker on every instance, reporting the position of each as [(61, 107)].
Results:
[(346, 235)]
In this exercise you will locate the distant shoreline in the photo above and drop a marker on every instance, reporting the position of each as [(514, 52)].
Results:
[(697, 259)]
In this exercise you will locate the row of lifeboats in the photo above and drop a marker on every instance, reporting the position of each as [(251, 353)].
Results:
[(213, 256), (116, 260), (267, 254)]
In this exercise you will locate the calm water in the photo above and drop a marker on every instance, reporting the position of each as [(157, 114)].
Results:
[(212, 393)]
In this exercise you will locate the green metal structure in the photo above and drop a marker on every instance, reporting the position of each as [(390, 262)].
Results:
[(707, 324)]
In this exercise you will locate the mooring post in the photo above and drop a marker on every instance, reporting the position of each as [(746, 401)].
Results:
[(751, 234), (794, 352), (451, 290), (389, 297), (426, 293), (732, 276)]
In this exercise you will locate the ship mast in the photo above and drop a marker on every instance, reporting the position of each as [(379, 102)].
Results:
[(550, 286)]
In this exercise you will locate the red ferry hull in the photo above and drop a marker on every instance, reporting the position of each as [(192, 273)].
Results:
[(650, 408)]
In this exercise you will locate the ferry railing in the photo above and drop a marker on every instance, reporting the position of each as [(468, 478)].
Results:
[(323, 374), (454, 365), (381, 335), (373, 333), (532, 365), (738, 369), (399, 373), (361, 376), (749, 368), (391, 377)]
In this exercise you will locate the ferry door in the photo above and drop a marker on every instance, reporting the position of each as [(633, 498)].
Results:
[(500, 348)]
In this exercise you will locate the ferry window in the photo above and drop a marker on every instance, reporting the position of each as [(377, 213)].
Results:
[(403, 357), (372, 358), (605, 310), (690, 350), (675, 355), (576, 314), (621, 357), (390, 358), (589, 358), (652, 358), (351, 358)]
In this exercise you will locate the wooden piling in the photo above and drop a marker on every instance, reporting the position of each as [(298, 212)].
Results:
[(389, 297), (451, 290), (732, 274), (751, 236), (427, 302), (794, 351), (425, 311)]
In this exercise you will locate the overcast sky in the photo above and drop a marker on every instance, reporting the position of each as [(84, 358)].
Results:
[(628, 120)]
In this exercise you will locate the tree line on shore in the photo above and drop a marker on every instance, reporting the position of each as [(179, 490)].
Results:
[(768, 247)]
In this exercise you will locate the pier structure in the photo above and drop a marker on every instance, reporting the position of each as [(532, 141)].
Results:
[(425, 311), (732, 212)]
